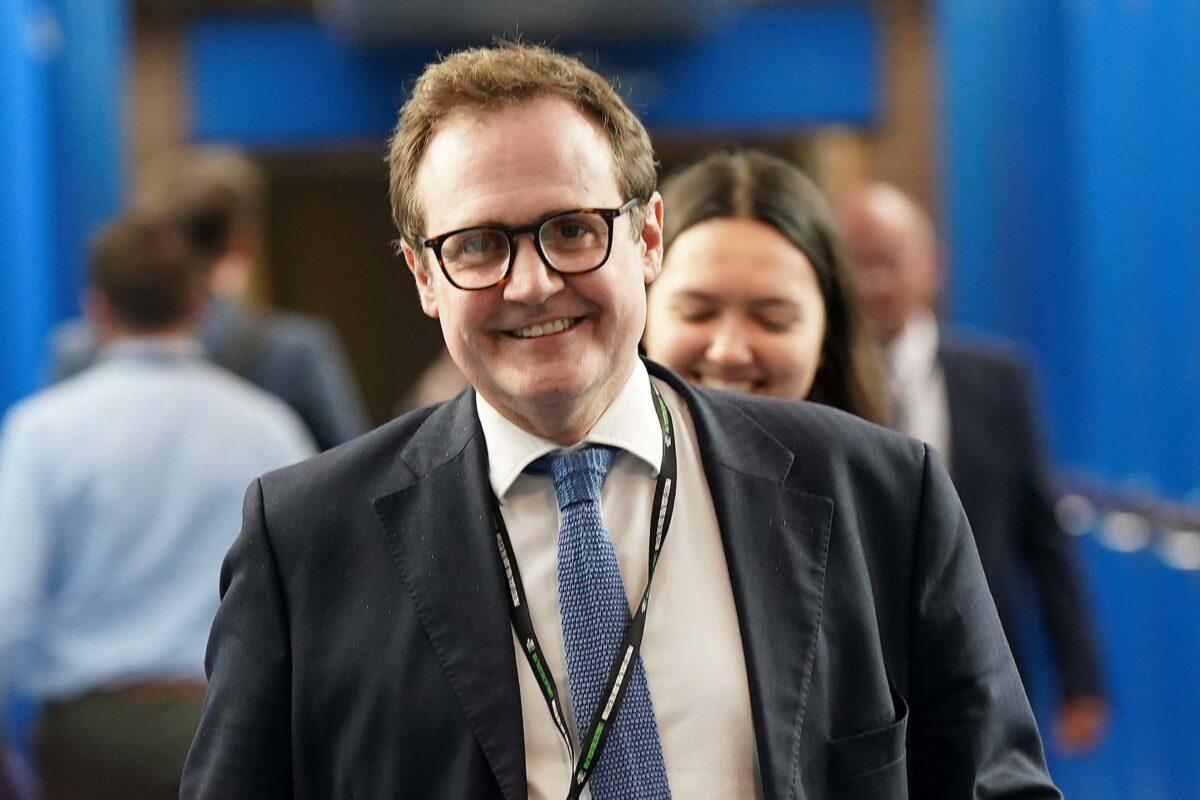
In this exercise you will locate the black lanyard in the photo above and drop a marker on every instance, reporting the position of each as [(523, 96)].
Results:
[(613, 695)]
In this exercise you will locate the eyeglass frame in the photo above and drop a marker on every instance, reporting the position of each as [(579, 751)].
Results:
[(609, 215)]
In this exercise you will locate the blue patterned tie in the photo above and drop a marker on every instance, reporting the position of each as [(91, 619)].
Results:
[(595, 614)]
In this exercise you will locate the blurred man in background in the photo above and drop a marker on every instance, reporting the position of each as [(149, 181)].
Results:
[(120, 491), (298, 358), (974, 405)]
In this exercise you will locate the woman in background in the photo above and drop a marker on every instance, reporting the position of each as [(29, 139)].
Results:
[(754, 294)]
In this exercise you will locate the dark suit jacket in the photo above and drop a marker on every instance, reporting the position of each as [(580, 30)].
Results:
[(363, 649), (295, 357), (1000, 474)]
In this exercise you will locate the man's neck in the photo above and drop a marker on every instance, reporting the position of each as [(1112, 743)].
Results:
[(564, 422), (119, 334)]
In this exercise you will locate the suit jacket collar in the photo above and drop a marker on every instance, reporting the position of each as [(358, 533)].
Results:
[(437, 518)]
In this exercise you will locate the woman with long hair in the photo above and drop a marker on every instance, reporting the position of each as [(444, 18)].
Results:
[(755, 291)]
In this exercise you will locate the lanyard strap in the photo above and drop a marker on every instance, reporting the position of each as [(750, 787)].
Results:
[(661, 510)]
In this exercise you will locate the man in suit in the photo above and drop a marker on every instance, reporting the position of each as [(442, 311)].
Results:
[(974, 404), (217, 194), (454, 607)]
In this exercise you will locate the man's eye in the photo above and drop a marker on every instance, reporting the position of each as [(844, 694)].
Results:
[(477, 244), (575, 232), (474, 246)]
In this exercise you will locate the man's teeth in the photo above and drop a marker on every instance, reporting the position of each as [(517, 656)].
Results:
[(544, 329), (728, 386)]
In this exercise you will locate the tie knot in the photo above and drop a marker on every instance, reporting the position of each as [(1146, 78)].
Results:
[(578, 475)]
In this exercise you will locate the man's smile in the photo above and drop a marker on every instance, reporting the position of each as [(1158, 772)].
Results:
[(547, 328)]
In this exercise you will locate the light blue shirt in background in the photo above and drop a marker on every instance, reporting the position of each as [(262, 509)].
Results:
[(120, 492)]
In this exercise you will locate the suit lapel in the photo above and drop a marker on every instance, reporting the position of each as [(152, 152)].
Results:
[(437, 519), (776, 540)]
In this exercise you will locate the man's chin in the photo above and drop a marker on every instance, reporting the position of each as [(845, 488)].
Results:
[(548, 386), (552, 389)]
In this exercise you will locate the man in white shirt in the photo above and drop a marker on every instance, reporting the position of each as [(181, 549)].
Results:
[(972, 403), (458, 605), (118, 491)]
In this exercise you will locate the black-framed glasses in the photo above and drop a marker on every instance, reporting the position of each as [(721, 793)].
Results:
[(570, 242)]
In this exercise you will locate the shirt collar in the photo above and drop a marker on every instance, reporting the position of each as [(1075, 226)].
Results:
[(153, 347), (913, 353), (629, 423)]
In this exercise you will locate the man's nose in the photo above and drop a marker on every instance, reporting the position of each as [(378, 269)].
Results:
[(730, 345), (529, 280)]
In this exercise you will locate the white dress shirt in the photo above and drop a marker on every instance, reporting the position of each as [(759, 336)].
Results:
[(692, 648), (917, 386)]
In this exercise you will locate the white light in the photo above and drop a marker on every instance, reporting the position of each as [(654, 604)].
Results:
[(1076, 514), (1180, 549), (1125, 532)]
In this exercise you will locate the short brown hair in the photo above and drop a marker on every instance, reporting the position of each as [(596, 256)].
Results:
[(754, 185), (483, 78), (147, 270), (213, 191)]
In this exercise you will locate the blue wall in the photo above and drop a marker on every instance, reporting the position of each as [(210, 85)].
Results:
[(26, 257), (275, 81), (88, 128), (1071, 197), (1071, 194), (62, 70)]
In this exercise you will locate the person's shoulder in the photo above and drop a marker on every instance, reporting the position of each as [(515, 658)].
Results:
[(985, 352), (822, 439), (28, 416), (239, 404), (56, 408), (808, 427), (71, 347), (297, 330), (71, 336), (359, 468)]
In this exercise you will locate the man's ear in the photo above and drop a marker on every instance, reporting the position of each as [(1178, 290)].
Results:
[(425, 287), (652, 238)]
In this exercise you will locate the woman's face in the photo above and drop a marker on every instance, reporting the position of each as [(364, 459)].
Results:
[(737, 307)]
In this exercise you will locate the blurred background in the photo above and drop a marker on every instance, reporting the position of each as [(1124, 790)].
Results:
[(1055, 143)]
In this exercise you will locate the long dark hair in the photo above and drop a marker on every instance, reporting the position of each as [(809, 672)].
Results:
[(753, 185)]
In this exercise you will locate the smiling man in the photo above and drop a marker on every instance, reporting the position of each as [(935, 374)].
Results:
[(458, 604)]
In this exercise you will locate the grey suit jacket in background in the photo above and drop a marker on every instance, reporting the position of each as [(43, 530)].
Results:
[(363, 646), (295, 357), (999, 469)]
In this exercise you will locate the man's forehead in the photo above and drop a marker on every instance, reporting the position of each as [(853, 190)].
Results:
[(509, 124), (520, 158)]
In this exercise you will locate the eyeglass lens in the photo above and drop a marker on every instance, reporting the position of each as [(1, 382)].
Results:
[(573, 242)]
